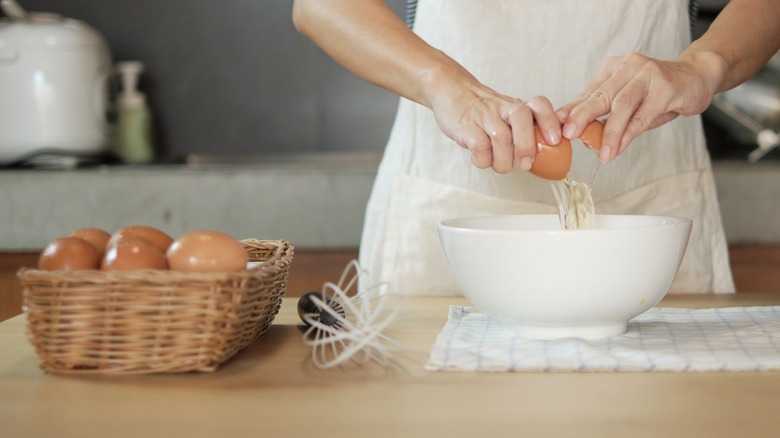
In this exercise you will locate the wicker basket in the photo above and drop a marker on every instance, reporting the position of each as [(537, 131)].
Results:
[(151, 321)]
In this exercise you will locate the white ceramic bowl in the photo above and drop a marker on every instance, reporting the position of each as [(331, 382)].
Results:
[(543, 282)]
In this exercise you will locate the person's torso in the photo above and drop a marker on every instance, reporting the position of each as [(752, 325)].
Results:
[(553, 48)]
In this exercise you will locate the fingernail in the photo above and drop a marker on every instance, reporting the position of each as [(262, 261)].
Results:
[(569, 130), (553, 135), (526, 163), (605, 153)]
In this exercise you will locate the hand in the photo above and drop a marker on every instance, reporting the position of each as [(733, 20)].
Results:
[(498, 130), (639, 93), (369, 39)]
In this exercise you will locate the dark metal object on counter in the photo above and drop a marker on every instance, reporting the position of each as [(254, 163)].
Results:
[(307, 306)]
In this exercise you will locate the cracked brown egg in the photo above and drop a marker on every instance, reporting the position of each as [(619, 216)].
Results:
[(553, 162)]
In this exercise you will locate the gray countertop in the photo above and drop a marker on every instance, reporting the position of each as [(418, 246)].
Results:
[(315, 203)]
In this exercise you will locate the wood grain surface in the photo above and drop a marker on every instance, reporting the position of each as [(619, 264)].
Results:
[(272, 389)]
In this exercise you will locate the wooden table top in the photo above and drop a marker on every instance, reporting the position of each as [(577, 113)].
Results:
[(272, 389)]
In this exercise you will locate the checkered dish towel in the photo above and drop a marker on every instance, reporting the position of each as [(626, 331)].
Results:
[(661, 339)]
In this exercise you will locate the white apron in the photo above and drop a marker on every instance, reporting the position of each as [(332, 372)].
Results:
[(524, 48)]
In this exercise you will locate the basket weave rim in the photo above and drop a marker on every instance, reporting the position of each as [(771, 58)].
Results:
[(259, 269)]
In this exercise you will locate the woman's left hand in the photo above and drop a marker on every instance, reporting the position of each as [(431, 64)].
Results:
[(639, 93)]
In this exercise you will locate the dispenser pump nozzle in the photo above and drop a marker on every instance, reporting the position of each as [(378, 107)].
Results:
[(130, 71)]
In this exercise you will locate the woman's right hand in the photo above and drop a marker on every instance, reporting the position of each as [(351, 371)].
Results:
[(497, 129), (367, 38)]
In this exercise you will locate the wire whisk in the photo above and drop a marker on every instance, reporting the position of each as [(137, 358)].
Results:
[(346, 320)]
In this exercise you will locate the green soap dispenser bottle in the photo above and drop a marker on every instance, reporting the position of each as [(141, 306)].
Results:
[(133, 135)]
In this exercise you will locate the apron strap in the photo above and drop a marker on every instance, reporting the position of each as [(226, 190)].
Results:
[(411, 11)]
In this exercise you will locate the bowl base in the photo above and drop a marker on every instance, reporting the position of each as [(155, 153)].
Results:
[(584, 331)]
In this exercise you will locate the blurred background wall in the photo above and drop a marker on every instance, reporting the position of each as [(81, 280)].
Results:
[(233, 77)]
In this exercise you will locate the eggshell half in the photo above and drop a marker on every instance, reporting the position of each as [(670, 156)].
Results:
[(551, 162), (592, 134)]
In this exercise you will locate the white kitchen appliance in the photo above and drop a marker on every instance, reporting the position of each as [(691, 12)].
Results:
[(54, 74)]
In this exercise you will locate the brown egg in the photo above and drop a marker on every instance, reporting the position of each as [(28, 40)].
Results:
[(206, 251), (131, 253), (153, 235), (551, 162), (97, 237), (592, 134), (69, 254)]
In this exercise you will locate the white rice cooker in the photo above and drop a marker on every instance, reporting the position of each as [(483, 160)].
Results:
[(54, 74)]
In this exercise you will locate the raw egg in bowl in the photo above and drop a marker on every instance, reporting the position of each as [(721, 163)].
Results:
[(543, 282)]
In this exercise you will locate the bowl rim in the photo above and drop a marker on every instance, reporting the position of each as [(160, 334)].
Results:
[(664, 221)]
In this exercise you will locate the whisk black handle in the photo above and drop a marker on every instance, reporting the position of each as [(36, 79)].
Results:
[(307, 306)]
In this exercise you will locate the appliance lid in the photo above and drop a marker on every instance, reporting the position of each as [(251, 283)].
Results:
[(49, 32)]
